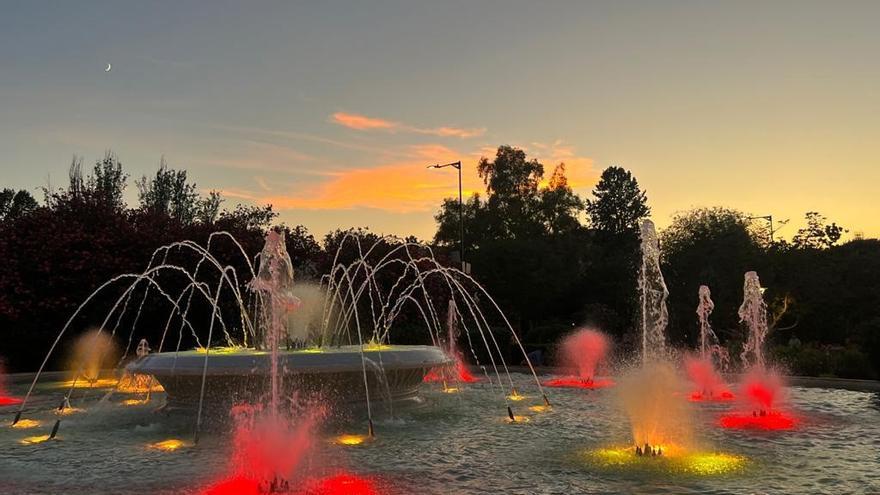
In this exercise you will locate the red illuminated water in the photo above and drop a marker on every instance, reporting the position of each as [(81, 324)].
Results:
[(577, 382), (6, 400), (709, 386), (584, 350), (267, 453), (461, 373), (770, 421), (761, 396), (340, 484)]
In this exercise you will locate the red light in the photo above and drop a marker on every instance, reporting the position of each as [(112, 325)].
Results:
[(576, 382), (770, 421), (343, 484), (8, 401), (234, 486), (723, 396), (462, 374)]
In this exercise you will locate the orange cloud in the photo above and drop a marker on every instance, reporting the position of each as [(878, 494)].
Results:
[(361, 122), (364, 123)]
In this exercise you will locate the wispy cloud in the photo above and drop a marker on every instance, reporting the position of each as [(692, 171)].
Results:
[(364, 123), (361, 122)]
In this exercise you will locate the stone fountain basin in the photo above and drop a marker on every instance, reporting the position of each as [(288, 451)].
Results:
[(332, 374)]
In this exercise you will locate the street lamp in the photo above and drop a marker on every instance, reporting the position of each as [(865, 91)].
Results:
[(457, 166), (769, 219)]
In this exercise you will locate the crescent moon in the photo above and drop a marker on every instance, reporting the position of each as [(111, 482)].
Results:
[(109, 66)]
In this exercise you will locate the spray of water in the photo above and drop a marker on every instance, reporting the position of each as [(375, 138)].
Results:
[(701, 369), (658, 418), (753, 312), (653, 314)]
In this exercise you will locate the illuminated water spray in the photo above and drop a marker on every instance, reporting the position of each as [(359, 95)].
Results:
[(704, 309), (274, 282), (753, 312), (653, 315)]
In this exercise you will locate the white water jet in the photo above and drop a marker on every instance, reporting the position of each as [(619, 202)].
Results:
[(653, 315), (753, 312)]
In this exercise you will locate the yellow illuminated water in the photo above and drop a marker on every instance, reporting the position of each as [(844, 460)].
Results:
[(673, 460), (27, 423), (349, 439), (34, 440), (169, 445)]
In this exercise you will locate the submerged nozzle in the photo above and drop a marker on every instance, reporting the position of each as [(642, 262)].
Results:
[(546, 400), (510, 414), (17, 417), (371, 431), (55, 429)]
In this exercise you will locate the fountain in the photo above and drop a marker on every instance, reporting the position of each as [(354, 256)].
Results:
[(761, 389), (653, 315), (584, 350), (346, 361), (701, 369)]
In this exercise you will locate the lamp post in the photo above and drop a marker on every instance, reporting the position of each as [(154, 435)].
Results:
[(769, 219), (457, 166)]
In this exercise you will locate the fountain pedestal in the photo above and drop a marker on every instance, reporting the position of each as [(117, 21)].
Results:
[(333, 374)]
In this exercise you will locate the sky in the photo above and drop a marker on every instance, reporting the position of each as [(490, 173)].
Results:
[(331, 111)]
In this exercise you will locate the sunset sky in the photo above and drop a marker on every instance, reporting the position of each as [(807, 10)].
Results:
[(332, 110)]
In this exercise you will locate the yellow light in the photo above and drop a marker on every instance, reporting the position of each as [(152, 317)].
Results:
[(705, 464), (677, 461), (539, 409), (351, 439), (85, 383), (138, 383), (134, 402), (518, 419), (375, 346), (27, 423), (220, 350), (69, 410), (515, 396), (450, 390), (34, 440), (169, 445)]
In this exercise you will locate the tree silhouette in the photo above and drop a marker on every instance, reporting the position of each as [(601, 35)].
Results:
[(619, 203), (817, 234)]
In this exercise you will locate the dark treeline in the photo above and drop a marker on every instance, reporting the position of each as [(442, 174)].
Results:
[(552, 260)]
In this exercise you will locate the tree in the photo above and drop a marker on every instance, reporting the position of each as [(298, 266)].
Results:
[(168, 193), (559, 206), (619, 203), (208, 208), (107, 182), (817, 234), (15, 204), (512, 193), (713, 247)]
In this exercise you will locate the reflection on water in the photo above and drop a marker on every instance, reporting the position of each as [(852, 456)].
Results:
[(460, 443)]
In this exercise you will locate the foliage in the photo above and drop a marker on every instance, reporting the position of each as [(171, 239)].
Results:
[(817, 234), (15, 204), (619, 203), (707, 246), (169, 193)]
